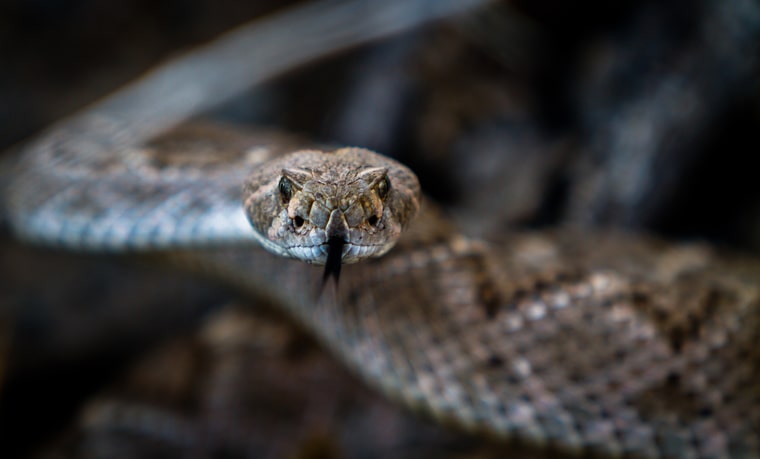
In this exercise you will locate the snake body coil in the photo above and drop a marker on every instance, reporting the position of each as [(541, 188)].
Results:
[(585, 342)]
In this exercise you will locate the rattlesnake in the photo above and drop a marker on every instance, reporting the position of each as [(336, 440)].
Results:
[(590, 342)]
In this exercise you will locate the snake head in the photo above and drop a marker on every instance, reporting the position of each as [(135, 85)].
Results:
[(305, 204)]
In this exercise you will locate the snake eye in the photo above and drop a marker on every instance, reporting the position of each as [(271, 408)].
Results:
[(383, 187), (286, 189)]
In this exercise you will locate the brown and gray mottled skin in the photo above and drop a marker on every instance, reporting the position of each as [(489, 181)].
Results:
[(65, 193), (590, 343), (298, 202), (593, 343)]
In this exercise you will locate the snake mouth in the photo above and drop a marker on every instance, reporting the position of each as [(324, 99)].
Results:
[(350, 252)]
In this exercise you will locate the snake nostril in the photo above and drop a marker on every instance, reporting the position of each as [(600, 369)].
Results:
[(372, 220), (298, 221)]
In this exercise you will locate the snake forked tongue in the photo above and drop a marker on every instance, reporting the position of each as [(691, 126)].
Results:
[(333, 262), (337, 232)]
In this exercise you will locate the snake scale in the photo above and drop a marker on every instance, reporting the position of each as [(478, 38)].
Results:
[(585, 342)]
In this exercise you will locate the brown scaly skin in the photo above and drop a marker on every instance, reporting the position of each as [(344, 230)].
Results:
[(599, 342)]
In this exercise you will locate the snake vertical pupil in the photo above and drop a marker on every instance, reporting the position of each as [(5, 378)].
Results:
[(286, 189), (383, 187)]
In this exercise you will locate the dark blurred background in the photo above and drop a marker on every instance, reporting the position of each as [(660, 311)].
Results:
[(528, 114)]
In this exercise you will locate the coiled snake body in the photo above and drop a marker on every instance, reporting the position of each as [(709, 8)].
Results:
[(600, 343)]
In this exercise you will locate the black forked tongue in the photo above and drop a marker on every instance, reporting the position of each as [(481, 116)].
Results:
[(333, 262)]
